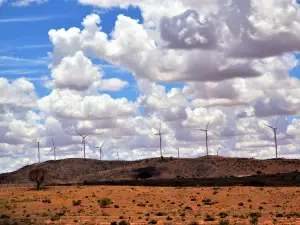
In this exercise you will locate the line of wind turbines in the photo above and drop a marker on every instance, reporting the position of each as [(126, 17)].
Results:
[(206, 139), (159, 133), (54, 148)]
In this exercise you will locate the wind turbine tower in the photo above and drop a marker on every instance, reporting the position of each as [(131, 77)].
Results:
[(178, 151), (218, 150), (275, 136), (54, 148), (100, 150), (160, 139), (83, 141), (206, 136), (39, 155), (118, 155)]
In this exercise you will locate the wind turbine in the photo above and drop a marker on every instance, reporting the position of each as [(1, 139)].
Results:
[(118, 155), (177, 151), (54, 148), (38, 148), (206, 136), (159, 134), (83, 141), (275, 135), (100, 149), (218, 150)]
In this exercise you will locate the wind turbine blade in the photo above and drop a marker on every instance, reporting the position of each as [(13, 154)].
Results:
[(276, 123), (269, 126), (159, 126), (207, 124), (102, 144), (53, 142), (78, 133), (200, 129)]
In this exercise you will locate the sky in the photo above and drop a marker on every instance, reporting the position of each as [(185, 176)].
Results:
[(120, 71)]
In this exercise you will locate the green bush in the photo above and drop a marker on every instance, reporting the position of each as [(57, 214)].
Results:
[(254, 217), (47, 200), (153, 221), (193, 223), (187, 208), (224, 222), (104, 202), (124, 222), (253, 220), (57, 216), (75, 203), (209, 218), (255, 214), (223, 215), (4, 216)]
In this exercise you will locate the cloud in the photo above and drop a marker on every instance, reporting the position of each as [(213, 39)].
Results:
[(20, 93), (241, 29), (9, 61), (76, 72), (132, 47), (24, 3), (113, 84), (60, 103), (19, 72), (31, 46), (25, 19), (187, 30)]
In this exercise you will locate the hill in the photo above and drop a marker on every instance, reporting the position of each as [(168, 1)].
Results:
[(74, 171)]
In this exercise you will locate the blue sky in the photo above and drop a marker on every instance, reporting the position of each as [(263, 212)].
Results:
[(25, 43)]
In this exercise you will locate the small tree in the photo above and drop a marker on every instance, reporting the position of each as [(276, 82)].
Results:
[(37, 175)]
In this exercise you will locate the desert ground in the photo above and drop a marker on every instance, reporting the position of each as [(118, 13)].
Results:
[(149, 205)]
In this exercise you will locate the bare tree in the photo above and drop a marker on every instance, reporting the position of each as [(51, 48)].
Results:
[(37, 175)]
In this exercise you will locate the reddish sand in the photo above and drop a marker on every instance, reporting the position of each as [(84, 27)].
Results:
[(139, 205)]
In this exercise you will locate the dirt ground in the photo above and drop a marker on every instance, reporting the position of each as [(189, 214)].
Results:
[(147, 205)]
